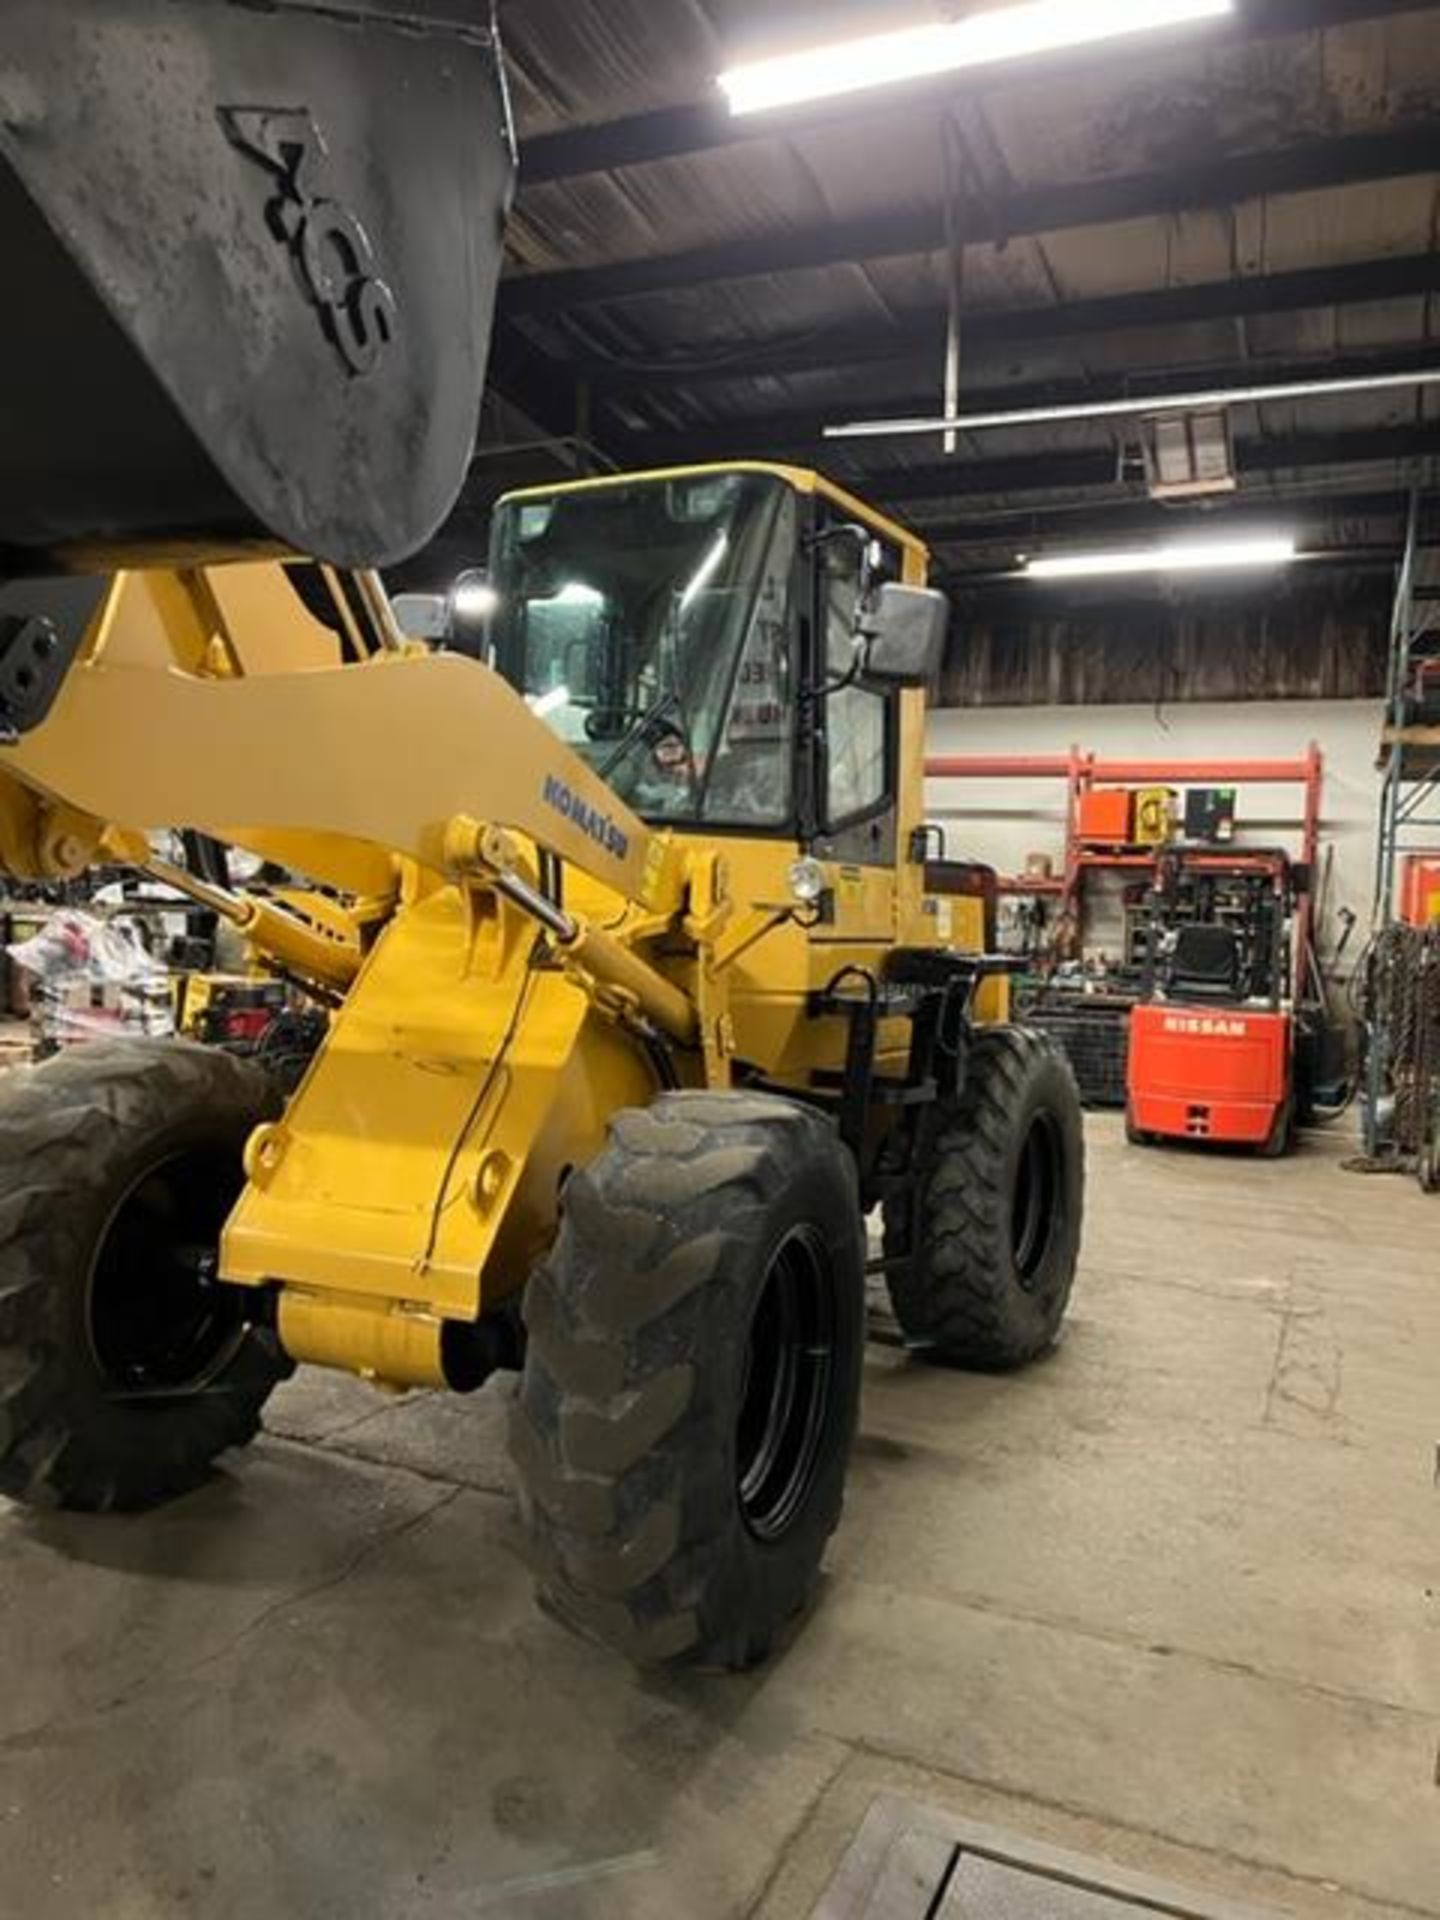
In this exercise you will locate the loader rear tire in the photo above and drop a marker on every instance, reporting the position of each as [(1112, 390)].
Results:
[(683, 1425), (124, 1371), (997, 1219)]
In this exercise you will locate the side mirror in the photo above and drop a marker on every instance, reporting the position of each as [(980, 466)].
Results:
[(455, 620), (902, 636), (422, 616)]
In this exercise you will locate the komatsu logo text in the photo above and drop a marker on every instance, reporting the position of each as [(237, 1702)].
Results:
[(600, 827)]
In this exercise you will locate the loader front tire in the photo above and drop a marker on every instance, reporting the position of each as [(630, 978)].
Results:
[(993, 1234), (124, 1369), (683, 1425)]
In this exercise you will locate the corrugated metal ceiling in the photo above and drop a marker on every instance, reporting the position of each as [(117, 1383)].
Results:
[(1140, 112)]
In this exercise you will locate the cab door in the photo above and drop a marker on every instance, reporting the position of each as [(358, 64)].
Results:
[(857, 741)]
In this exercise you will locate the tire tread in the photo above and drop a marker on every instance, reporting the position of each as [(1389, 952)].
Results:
[(956, 1296), (603, 1425), (57, 1124)]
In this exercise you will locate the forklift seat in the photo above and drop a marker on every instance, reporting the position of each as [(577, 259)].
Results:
[(1204, 963)]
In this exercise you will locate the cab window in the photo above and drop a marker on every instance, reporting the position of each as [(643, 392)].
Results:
[(752, 777), (857, 720), (651, 625)]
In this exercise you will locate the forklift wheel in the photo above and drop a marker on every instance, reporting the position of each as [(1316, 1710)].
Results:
[(683, 1425), (124, 1371), (1137, 1136), (1281, 1138), (993, 1233)]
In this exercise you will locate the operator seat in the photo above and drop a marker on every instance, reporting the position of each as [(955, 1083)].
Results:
[(1203, 963)]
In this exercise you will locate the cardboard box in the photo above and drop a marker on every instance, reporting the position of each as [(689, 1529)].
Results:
[(1107, 816), (1420, 889)]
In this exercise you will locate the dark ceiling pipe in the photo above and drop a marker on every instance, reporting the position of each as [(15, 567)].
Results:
[(920, 338)]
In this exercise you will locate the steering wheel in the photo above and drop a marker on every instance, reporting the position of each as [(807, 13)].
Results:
[(610, 723), (670, 751)]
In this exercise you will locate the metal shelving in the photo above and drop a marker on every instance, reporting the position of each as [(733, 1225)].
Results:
[(1410, 753), (1400, 1077), (1082, 771)]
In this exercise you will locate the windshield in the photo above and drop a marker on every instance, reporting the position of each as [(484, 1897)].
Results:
[(649, 624)]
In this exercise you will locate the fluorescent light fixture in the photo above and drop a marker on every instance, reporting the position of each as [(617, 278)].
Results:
[(1137, 406), (1181, 556), (542, 704), (912, 53)]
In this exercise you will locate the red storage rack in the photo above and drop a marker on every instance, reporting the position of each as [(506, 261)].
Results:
[(1084, 772)]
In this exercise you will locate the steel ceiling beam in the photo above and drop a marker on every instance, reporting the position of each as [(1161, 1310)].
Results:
[(799, 431), (702, 126), (1019, 529), (921, 337), (902, 232), (1096, 467)]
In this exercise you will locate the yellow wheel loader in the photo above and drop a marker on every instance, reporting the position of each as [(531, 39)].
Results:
[(641, 986)]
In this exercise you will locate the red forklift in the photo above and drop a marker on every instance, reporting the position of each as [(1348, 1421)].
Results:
[(1216, 1037)]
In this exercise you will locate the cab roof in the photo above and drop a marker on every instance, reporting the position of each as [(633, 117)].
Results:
[(801, 479)]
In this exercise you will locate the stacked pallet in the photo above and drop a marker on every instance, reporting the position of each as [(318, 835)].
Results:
[(1094, 1031)]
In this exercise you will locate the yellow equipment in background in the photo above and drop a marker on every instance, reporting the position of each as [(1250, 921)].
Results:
[(1156, 818)]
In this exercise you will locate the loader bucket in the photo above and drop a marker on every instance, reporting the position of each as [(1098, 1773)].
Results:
[(248, 259)]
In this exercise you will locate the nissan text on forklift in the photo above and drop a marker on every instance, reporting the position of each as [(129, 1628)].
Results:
[(641, 990)]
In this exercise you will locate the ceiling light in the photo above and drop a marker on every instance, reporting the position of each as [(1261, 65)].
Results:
[(1181, 556), (1139, 405), (474, 599), (912, 53)]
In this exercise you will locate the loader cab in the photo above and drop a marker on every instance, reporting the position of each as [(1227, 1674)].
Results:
[(693, 636)]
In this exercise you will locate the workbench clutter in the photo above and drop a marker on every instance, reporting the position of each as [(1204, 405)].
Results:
[(91, 978)]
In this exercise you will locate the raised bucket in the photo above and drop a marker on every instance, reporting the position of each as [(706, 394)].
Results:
[(248, 259)]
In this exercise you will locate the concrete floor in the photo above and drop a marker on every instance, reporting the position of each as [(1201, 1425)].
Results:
[(1173, 1598)]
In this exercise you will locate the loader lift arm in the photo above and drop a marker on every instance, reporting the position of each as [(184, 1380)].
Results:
[(211, 699), (391, 752), (406, 756)]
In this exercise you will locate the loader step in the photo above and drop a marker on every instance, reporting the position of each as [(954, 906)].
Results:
[(885, 1092)]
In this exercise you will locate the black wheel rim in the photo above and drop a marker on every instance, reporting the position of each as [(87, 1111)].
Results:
[(786, 1386), (1039, 1190), (158, 1323)]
